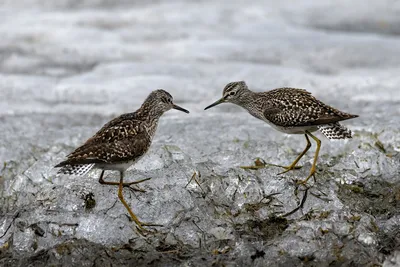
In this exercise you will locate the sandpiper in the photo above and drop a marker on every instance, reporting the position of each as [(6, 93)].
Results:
[(120, 143), (292, 111)]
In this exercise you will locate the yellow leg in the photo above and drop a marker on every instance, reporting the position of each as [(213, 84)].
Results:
[(101, 181), (133, 216), (293, 165), (313, 167)]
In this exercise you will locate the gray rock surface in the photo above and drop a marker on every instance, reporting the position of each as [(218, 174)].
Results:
[(67, 67)]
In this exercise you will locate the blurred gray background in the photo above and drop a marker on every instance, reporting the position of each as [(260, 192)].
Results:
[(67, 67)]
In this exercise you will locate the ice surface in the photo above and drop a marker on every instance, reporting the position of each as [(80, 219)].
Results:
[(67, 67)]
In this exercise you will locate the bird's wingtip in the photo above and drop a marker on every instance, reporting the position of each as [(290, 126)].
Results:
[(61, 164)]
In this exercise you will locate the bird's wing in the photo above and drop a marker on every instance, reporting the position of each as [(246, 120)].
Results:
[(286, 107), (116, 151), (121, 129), (117, 129)]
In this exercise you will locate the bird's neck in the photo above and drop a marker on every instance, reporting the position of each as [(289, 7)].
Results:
[(249, 101), (149, 117), (149, 111), (245, 99)]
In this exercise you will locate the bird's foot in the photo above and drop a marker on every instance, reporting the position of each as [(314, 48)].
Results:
[(143, 231), (135, 188), (130, 185), (288, 168), (260, 163), (304, 182)]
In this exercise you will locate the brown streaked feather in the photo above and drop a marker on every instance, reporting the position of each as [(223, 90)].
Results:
[(119, 128), (117, 151), (291, 107)]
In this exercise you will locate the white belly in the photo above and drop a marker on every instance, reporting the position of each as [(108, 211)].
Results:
[(121, 166), (292, 130)]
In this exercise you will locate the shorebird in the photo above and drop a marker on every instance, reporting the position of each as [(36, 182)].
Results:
[(291, 111), (120, 143)]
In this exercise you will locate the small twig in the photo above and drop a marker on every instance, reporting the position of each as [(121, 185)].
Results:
[(271, 195), (195, 179), (113, 205), (9, 226), (299, 206), (170, 251)]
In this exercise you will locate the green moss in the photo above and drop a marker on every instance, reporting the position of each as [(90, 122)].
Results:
[(377, 197), (63, 249), (380, 146), (324, 214), (172, 148), (355, 218), (374, 226), (267, 229), (246, 144), (355, 188)]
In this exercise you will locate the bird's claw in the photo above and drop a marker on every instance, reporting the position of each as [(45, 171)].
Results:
[(288, 168), (143, 231), (135, 189), (304, 182)]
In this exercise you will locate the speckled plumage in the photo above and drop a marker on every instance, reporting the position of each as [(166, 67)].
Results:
[(121, 142), (124, 139), (289, 110)]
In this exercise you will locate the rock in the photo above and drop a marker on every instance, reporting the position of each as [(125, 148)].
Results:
[(393, 260), (68, 67)]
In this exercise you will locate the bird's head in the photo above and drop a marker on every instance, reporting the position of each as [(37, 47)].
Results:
[(161, 101), (231, 93)]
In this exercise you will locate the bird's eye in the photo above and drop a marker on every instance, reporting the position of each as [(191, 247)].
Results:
[(232, 93)]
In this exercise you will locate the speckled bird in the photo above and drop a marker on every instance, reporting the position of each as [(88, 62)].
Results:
[(120, 143), (291, 111)]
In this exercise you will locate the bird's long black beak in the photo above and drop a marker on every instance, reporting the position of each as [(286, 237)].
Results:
[(179, 108), (222, 100)]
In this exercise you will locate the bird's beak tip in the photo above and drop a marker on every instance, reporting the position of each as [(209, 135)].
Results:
[(180, 109), (215, 103)]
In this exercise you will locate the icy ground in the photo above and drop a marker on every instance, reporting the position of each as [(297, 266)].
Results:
[(67, 67)]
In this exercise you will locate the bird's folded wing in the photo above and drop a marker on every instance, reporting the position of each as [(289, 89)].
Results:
[(120, 130), (116, 151), (298, 115)]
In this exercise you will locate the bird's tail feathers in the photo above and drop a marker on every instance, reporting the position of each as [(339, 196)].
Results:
[(76, 169), (335, 131)]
